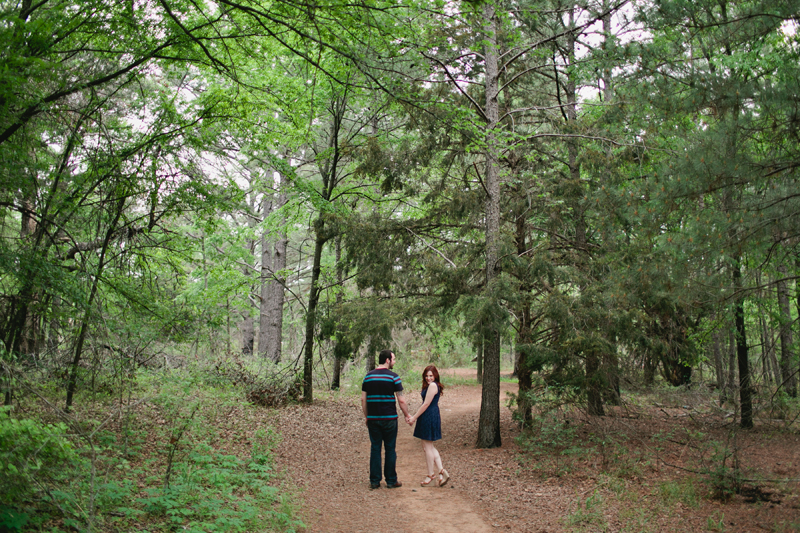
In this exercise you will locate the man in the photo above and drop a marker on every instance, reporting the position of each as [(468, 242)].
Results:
[(378, 392)]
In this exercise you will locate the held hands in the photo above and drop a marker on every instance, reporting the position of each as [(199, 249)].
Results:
[(410, 420)]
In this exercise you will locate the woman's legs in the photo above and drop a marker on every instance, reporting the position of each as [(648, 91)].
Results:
[(432, 458)]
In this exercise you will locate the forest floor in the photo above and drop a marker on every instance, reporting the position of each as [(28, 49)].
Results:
[(663, 465)]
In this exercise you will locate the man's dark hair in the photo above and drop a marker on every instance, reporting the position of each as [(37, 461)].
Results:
[(384, 356)]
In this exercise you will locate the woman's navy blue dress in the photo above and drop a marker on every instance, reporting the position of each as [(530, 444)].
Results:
[(429, 424)]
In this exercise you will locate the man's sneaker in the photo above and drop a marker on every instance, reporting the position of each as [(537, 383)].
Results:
[(394, 486)]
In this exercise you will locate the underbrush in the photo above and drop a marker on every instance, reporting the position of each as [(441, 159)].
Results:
[(662, 454), (173, 450)]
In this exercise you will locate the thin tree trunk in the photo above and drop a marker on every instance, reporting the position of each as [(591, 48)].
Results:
[(730, 383), (773, 358), (719, 370), (788, 379), (594, 404), (797, 284), (73, 375), (337, 360), (311, 319), (593, 376), (248, 335), (649, 364), (524, 336), (745, 392), (611, 392), (266, 280), (247, 326), (54, 326), (489, 423)]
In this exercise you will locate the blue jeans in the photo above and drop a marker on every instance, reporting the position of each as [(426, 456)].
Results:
[(382, 432)]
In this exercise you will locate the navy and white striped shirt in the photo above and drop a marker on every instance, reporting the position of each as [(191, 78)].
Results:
[(380, 385)]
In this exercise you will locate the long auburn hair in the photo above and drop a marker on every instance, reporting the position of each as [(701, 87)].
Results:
[(435, 371)]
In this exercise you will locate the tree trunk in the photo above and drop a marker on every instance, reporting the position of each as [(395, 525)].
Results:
[(247, 326), (336, 380), (479, 357), (593, 377), (594, 401), (73, 374), (649, 369), (525, 377), (311, 317), (730, 383), (265, 319), (273, 262), (773, 359), (611, 391), (788, 378), (489, 423), (797, 285), (248, 335), (337, 360), (54, 326), (524, 336), (372, 351), (719, 365), (765, 369), (745, 393), (277, 299)]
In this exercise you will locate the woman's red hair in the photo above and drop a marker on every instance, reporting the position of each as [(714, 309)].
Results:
[(435, 371)]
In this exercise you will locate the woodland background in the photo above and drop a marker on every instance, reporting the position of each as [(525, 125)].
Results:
[(258, 196)]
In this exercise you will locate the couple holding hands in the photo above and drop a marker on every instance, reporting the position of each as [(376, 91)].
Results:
[(378, 393)]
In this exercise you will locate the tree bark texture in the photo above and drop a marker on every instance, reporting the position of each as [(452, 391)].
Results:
[(489, 423), (479, 358), (247, 327), (788, 375), (311, 321), (273, 263)]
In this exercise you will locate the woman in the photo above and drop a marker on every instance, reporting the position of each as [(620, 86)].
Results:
[(429, 425)]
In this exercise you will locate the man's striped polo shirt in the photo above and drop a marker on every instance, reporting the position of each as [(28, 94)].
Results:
[(380, 386)]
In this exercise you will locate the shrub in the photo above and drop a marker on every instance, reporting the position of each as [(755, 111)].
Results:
[(32, 456), (268, 385)]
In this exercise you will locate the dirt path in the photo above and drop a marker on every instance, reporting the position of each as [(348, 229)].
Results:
[(434, 509), (325, 449)]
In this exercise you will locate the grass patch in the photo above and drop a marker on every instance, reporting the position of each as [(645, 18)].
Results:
[(682, 491), (587, 515)]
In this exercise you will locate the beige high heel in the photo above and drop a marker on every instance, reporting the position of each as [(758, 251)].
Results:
[(429, 477), (444, 477)]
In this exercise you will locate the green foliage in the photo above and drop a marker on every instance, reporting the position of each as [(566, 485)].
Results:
[(553, 445), (169, 451), (716, 522), (722, 469), (34, 457), (587, 515), (213, 491), (683, 491)]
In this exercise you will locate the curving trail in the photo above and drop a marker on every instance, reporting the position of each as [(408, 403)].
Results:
[(325, 451)]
